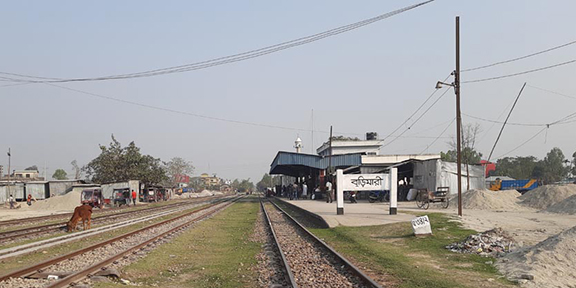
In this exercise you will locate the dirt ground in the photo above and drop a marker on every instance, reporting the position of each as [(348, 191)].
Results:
[(527, 225), (9, 214)]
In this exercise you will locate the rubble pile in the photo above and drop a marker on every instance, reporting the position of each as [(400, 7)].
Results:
[(494, 243)]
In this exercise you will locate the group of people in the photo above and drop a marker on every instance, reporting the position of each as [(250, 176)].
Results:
[(296, 191), (13, 204)]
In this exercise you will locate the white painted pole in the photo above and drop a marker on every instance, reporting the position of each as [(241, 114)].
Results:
[(393, 190), (339, 192)]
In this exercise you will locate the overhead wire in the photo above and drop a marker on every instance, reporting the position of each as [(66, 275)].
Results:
[(105, 97), (560, 121), (520, 58), (418, 119), (552, 92), (519, 73), (440, 135), (523, 143), (414, 113), (227, 59)]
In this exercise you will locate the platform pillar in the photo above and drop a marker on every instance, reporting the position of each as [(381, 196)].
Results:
[(339, 192), (393, 190)]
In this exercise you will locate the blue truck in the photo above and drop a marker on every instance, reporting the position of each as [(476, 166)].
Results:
[(521, 186)]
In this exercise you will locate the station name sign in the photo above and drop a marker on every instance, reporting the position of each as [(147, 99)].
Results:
[(366, 182)]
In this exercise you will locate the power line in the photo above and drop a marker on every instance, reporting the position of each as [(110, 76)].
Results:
[(570, 116), (511, 123), (519, 73), (553, 92), (524, 143), (441, 133), (100, 96), (519, 58), (416, 121), (227, 59), (410, 117)]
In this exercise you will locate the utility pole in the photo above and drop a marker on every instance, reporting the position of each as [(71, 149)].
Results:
[(330, 147), (9, 156), (458, 116)]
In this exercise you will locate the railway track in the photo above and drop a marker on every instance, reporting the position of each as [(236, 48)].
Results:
[(306, 260), (75, 266), (68, 237), (31, 232)]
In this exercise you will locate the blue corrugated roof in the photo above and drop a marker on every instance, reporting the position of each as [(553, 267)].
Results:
[(284, 160)]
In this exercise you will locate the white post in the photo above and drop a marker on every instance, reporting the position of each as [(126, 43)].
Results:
[(339, 192), (393, 190)]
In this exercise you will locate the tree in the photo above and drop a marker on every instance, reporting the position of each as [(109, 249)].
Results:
[(245, 185), (118, 164), (60, 174), (33, 167), (77, 169), (264, 183), (516, 167), (178, 166), (468, 152), (235, 184), (552, 168)]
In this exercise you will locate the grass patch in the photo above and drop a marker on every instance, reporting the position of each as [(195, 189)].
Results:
[(407, 261), (215, 253), (14, 263)]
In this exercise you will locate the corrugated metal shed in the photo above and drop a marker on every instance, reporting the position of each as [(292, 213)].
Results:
[(37, 189), (293, 164)]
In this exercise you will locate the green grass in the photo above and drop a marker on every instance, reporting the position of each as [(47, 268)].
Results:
[(215, 253), (394, 254)]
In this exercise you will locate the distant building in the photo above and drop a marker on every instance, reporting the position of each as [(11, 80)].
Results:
[(208, 180), (23, 175), (350, 146)]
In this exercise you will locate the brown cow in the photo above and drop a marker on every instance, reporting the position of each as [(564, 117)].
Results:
[(83, 212)]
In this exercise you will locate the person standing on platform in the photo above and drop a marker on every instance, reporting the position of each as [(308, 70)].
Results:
[(329, 192), (295, 190), (304, 191)]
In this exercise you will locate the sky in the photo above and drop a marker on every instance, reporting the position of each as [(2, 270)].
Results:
[(368, 79)]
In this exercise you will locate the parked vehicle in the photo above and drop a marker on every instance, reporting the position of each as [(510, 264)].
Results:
[(521, 186), (425, 197), (121, 197), (379, 196), (92, 197)]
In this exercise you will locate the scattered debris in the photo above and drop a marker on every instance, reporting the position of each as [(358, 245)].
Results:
[(493, 243)]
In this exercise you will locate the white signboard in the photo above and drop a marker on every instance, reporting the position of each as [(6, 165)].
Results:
[(365, 182), (421, 226)]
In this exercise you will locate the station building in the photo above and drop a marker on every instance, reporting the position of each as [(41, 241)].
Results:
[(356, 156)]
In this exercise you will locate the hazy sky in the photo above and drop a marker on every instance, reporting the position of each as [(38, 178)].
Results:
[(370, 79)]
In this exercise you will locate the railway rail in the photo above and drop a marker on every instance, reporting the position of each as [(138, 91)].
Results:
[(307, 260), (68, 237), (30, 232), (129, 243)]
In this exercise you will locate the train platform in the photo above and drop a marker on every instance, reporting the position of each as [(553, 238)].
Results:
[(357, 214)]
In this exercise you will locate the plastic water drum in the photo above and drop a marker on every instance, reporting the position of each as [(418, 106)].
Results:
[(411, 194)]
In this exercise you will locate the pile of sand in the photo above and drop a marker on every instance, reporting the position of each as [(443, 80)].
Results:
[(547, 195), (217, 193), (205, 193), (506, 200), (551, 262), (566, 206), (66, 202)]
